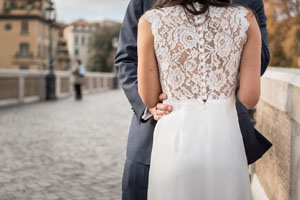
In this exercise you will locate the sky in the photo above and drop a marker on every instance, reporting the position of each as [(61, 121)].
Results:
[(90, 10)]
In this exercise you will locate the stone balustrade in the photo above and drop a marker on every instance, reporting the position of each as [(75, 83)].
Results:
[(26, 86), (276, 175)]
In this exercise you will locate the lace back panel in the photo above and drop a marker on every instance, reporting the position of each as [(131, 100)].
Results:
[(198, 56)]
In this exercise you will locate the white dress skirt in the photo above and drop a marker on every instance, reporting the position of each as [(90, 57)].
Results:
[(198, 153)]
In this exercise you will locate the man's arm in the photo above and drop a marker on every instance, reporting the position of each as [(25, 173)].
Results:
[(126, 57), (258, 7)]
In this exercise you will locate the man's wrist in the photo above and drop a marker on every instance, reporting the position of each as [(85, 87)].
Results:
[(147, 114)]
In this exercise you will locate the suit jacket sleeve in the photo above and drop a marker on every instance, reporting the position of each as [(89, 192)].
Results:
[(126, 57), (258, 7)]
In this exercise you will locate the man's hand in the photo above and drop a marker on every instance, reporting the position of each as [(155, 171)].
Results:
[(161, 109)]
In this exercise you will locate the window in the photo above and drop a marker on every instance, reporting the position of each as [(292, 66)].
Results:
[(29, 5), (13, 5), (83, 40), (76, 40), (8, 27), (45, 51), (76, 52), (39, 53), (24, 67), (24, 49), (24, 28)]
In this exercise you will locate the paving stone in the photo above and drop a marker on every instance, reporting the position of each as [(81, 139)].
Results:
[(64, 150)]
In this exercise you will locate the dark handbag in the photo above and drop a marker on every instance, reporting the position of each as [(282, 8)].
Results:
[(77, 73)]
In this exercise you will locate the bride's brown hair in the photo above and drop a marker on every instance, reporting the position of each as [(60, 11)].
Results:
[(189, 4)]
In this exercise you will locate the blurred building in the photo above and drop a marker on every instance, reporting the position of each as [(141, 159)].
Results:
[(24, 33), (63, 60), (78, 35)]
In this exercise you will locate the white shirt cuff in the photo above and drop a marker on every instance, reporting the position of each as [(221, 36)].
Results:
[(147, 114)]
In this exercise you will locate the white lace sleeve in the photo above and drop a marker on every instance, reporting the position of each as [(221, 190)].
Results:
[(148, 15), (151, 17), (244, 22)]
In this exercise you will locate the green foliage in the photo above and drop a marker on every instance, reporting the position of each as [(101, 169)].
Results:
[(101, 48)]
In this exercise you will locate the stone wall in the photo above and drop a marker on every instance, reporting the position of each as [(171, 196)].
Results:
[(278, 119), (25, 86)]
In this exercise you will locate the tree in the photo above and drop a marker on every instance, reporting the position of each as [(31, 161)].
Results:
[(292, 46), (283, 24), (101, 48)]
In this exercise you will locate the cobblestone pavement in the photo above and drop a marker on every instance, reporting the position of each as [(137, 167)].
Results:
[(64, 150)]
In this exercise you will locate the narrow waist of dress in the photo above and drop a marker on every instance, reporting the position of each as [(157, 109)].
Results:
[(177, 103)]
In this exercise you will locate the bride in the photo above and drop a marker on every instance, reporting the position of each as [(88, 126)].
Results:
[(201, 53)]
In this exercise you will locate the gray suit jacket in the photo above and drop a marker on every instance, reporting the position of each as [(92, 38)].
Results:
[(141, 132)]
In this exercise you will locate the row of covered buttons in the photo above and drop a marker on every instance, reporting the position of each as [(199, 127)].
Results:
[(202, 62)]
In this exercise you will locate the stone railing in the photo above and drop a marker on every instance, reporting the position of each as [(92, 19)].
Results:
[(25, 86), (276, 175)]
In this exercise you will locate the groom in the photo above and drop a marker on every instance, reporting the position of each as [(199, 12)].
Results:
[(136, 170)]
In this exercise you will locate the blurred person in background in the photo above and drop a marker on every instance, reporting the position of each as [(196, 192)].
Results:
[(78, 78)]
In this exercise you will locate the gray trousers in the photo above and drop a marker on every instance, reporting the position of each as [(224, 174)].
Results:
[(135, 181)]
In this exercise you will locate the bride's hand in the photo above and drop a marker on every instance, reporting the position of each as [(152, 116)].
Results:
[(161, 109)]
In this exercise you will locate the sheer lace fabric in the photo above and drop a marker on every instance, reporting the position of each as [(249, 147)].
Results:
[(198, 56)]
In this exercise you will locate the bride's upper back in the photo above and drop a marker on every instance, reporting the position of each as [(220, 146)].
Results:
[(198, 55)]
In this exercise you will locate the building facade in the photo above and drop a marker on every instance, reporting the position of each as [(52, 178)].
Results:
[(24, 33), (63, 61), (78, 35)]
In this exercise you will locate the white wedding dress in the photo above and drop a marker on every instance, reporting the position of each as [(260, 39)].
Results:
[(198, 151)]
